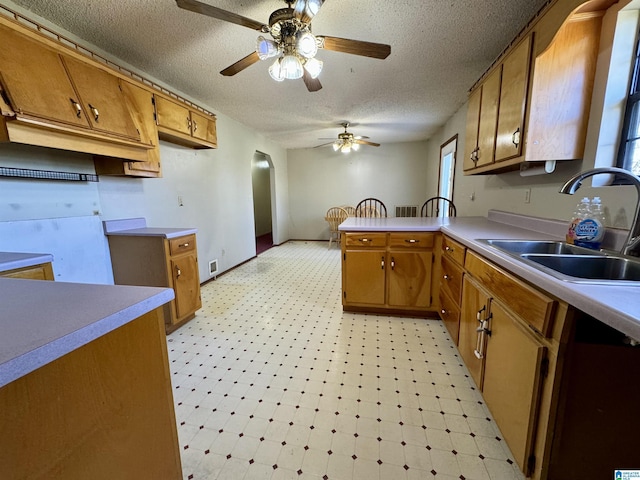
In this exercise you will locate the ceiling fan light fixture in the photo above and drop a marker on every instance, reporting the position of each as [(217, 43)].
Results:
[(275, 70), (306, 45), (355, 147), (313, 66), (346, 148), (336, 146), (312, 8), (291, 67), (266, 48)]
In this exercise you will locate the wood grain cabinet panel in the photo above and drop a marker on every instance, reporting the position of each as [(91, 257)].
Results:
[(185, 126), (409, 279), (42, 271)]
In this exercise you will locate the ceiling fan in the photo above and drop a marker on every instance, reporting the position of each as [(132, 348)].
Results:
[(293, 44), (347, 141)]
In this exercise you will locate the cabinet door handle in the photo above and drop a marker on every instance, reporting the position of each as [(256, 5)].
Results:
[(178, 271), (515, 138), (446, 277), (443, 311), (96, 113), (382, 263), (77, 106), (411, 240), (195, 126), (393, 263), (448, 249), (188, 123), (479, 314)]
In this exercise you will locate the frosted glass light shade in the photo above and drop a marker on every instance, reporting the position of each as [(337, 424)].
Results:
[(266, 48), (291, 67), (336, 146), (313, 66), (313, 6), (275, 70), (355, 147), (307, 45)]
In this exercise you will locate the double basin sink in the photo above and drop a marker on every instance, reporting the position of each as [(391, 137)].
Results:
[(571, 263)]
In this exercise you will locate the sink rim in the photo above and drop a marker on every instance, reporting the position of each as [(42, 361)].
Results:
[(525, 258)]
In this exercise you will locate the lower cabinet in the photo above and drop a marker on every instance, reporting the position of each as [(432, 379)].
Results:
[(509, 358), (388, 271), (42, 271), (157, 261)]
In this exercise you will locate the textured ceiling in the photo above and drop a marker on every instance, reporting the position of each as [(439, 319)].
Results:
[(439, 48)]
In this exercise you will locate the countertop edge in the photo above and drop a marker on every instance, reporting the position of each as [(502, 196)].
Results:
[(14, 260)]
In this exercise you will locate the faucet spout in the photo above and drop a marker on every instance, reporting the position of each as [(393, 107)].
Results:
[(571, 186)]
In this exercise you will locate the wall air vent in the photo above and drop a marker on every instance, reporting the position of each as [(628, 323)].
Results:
[(213, 267), (407, 211)]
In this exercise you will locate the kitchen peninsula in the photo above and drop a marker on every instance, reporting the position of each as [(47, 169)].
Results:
[(545, 353), (85, 390)]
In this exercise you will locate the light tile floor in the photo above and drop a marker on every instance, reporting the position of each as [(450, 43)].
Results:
[(273, 381)]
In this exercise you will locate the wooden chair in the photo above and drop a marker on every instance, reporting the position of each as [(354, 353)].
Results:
[(438, 207), (350, 210), (371, 208), (335, 216)]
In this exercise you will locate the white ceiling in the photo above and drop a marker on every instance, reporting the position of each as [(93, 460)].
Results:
[(439, 48)]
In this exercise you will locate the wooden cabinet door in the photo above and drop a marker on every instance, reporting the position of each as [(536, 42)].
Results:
[(488, 118), (409, 279), (473, 123), (36, 82), (513, 99), (103, 101), (512, 381), (203, 128), (364, 277), (475, 304), (186, 285), (173, 116)]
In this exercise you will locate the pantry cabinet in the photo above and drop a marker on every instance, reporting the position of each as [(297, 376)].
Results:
[(158, 261), (388, 271), (183, 125)]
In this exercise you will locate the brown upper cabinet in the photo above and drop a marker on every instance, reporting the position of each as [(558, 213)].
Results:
[(183, 125), (533, 104)]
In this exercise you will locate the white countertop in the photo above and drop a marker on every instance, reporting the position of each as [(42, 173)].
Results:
[(615, 305), (137, 227), (41, 320), (13, 260)]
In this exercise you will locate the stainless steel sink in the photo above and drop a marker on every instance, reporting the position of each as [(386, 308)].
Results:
[(540, 247), (589, 269), (571, 263)]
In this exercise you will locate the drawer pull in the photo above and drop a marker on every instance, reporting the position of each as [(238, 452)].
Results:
[(183, 245), (412, 240), (364, 240), (448, 248), (446, 277)]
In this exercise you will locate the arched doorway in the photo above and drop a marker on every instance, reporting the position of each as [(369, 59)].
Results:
[(261, 170)]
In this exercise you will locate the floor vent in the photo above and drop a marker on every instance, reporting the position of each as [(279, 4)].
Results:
[(407, 211), (213, 268)]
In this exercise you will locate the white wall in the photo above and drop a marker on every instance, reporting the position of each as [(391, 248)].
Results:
[(319, 178)]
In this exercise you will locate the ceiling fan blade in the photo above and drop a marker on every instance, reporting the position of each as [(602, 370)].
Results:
[(241, 64), (360, 137), (355, 47), (323, 145), (204, 9), (304, 14), (313, 84), (364, 142)]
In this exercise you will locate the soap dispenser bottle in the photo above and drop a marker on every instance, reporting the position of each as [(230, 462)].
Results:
[(581, 212), (590, 230)]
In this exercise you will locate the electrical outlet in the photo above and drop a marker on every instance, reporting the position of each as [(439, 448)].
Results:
[(180, 202), (527, 195)]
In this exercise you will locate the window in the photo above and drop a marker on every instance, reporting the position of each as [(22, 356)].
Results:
[(629, 150)]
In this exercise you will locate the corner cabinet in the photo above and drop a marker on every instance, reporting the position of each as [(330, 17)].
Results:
[(388, 272), (533, 104), (157, 261)]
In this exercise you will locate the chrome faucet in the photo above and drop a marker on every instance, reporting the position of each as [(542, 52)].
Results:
[(633, 239)]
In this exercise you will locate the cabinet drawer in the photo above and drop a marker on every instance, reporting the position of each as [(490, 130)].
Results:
[(450, 315), (411, 240), (182, 244), (532, 306), (365, 239), (451, 280), (453, 250)]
